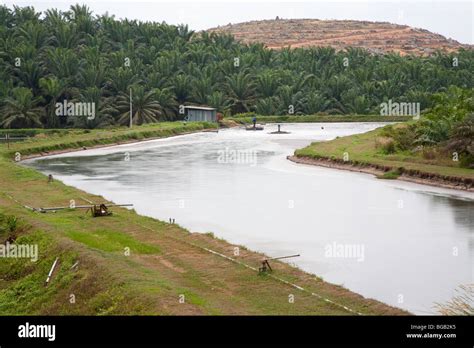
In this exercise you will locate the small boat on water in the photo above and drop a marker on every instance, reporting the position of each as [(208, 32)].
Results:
[(252, 128)]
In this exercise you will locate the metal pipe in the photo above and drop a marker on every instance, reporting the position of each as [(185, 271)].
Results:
[(283, 257), (85, 206)]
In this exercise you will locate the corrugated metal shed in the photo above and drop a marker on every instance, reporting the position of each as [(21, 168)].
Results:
[(200, 113)]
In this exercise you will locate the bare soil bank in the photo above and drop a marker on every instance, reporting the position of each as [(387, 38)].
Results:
[(415, 176)]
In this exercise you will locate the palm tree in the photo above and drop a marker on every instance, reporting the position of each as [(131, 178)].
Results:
[(290, 101), (266, 56), (241, 91), (267, 84), (300, 81), (91, 75), (53, 89), (336, 86), (266, 106), (225, 41), (358, 104), (145, 107), (65, 36), (167, 101), (182, 88), (21, 111), (199, 54), (53, 18), (431, 132), (104, 109), (29, 74), (184, 32), (63, 63), (83, 19), (24, 14), (6, 17), (219, 101), (462, 140), (314, 103), (35, 34), (120, 80), (287, 57), (85, 54), (202, 89)]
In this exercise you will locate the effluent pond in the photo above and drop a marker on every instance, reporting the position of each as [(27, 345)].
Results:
[(405, 244)]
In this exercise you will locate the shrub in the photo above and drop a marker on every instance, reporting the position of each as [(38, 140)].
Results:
[(405, 137), (466, 161), (385, 144), (429, 153), (387, 131)]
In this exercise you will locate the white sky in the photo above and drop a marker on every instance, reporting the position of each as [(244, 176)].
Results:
[(453, 19)]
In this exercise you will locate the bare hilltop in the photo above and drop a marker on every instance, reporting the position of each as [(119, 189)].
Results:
[(377, 37)]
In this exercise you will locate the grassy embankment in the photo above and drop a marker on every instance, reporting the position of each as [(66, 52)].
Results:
[(57, 140), (365, 153), (320, 118), (165, 260)]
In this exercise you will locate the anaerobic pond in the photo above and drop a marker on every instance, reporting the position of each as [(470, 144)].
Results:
[(405, 244)]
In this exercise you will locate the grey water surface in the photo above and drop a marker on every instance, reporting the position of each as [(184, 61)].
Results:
[(405, 244)]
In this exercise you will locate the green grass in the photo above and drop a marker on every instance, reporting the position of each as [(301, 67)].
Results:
[(160, 267), (362, 149), (47, 140), (112, 241), (23, 289), (391, 175), (320, 118)]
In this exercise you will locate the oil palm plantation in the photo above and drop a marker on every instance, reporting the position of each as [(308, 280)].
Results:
[(145, 107), (52, 89), (21, 110), (241, 91), (58, 55)]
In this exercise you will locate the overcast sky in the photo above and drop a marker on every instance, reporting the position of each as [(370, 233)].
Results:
[(453, 19)]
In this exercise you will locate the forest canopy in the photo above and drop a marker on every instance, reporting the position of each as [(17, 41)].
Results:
[(77, 56)]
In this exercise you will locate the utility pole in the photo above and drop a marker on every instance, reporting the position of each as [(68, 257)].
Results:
[(131, 108)]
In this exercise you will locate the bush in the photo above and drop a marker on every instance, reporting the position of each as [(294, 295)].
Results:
[(385, 144), (404, 137), (466, 161), (429, 153), (387, 131)]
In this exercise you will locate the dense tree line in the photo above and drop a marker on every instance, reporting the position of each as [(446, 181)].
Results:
[(49, 57)]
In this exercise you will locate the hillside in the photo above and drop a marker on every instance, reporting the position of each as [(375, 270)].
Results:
[(172, 66), (377, 37)]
